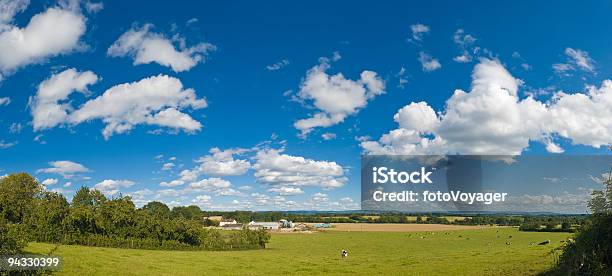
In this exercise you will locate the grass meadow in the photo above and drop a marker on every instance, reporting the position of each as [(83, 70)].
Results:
[(462, 252)]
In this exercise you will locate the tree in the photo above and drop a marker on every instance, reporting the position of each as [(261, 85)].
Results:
[(597, 203), (11, 239), (88, 198), (189, 212), (566, 226), (116, 216), (46, 219), (601, 200), (17, 191), (27, 213), (157, 209)]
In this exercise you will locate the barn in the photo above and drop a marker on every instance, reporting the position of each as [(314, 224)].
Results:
[(253, 225)]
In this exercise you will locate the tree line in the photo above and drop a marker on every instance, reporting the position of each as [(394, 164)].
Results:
[(369, 217), (30, 213)]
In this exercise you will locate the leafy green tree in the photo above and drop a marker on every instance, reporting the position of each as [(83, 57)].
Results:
[(116, 216), (88, 197), (157, 209), (17, 191), (566, 226), (601, 200), (597, 203), (46, 220), (12, 239), (80, 221), (28, 213), (190, 212)]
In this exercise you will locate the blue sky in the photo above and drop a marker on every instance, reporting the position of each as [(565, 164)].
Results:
[(261, 68)]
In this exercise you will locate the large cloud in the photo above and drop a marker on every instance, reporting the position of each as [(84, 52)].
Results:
[(47, 109), (584, 117), (335, 96), (55, 31), (145, 46), (222, 163), (493, 119), (152, 101), (275, 168)]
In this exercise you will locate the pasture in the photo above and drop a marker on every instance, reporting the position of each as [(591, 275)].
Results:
[(486, 251), (397, 227)]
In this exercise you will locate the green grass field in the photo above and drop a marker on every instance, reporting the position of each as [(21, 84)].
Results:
[(476, 252)]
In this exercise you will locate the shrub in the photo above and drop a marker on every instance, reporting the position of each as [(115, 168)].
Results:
[(11, 238), (591, 252)]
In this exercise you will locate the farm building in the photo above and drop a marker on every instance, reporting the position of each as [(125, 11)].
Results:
[(227, 221), (286, 223), (253, 225)]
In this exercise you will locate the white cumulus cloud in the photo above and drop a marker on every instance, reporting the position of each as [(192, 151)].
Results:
[(493, 119), (277, 169), (145, 46), (151, 101), (49, 107), (335, 96), (55, 31), (222, 163)]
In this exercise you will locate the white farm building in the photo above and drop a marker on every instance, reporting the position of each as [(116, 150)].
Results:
[(253, 225), (227, 221)]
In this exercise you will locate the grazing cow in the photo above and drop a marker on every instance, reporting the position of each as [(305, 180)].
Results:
[(344, 254), (508, 243), (544, 242)]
